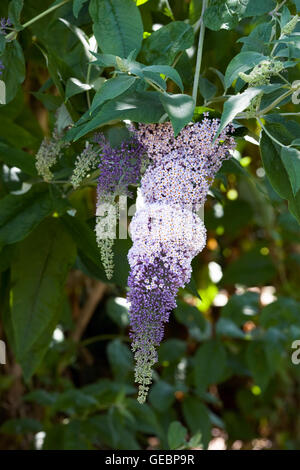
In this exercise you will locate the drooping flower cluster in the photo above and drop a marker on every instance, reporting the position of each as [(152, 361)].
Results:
[(120, 167), (167, 233), (49, 152), (4, 24), (85, 162)]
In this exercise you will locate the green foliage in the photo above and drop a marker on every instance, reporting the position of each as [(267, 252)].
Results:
[(225, 364), (117, 26), (39, 270)]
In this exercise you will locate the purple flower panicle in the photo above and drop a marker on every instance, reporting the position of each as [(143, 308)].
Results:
[(120, 167), (4, 24), (166, 231)]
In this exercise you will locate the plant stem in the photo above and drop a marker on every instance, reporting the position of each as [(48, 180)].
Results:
[(275, 102), (199, 53), (270, 135), (12, 35)]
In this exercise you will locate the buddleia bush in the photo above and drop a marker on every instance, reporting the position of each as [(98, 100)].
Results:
[(149, 223)]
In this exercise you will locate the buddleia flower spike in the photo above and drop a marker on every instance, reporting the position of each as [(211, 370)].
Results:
[(120, 167), (166, 231)]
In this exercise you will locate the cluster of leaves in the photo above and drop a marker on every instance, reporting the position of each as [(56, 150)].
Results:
[(91, 66)]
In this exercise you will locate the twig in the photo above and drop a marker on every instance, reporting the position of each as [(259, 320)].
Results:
[(199, 53), (86, 314)]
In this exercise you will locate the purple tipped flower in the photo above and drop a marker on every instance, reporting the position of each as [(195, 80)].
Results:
[(4, 24), (1, 67), (166, 231), (119, 168)]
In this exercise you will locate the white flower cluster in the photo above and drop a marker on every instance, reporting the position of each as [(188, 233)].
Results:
[(85, 162), (48, 154)]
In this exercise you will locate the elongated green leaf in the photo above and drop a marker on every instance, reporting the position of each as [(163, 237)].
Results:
[(75, 86), (180, 109), (120, 359), (207, 89), (14, 11), (222, 14), (241, 63), (176, 435), (163, 45), (277, 174), (258, 364), (210, 364), (14, 72), (138, 107), (50, 102), (85, 239), (250, 269), (15, 157), (197, 418), (291, 160), (19, 215), (168, 71), (111, 89), (257, 7), (238, 103), (77, 6), (118, 26), (39, 271), (15, 134)]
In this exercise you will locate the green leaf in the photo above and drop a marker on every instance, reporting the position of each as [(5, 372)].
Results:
[(197, 418), (291, 160), (77, 6), (14, 12), (117, 310), (241, 307), (241, 63), (19, 215), (14, 73), (236, 104), (257, 7), (120, 359), (162, 395), (138, 107), (176, 435), (163, 45), (15, 157), (258, 364), (50, 102), (297, 3), (84, 238), (210, 364), (258, 39), (282, 313), (75, 86), (207, 89), (168, 71), (111, 89), (21, 426), (39, 271), (226, 327), (118, 26), (250, 269), (171, 350), (15, 134), (277, 174), (180, 109), (224, 15)]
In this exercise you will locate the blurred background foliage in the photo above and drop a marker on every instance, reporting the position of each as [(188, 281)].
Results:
[(225, 377)]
